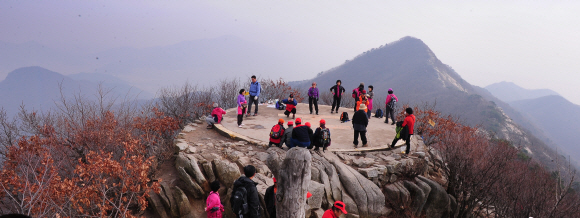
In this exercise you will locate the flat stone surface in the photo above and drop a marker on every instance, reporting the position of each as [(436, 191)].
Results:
[(342, 134)]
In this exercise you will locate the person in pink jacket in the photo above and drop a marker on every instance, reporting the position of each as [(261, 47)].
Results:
[(214, 207), (391, 106), (215, 117)]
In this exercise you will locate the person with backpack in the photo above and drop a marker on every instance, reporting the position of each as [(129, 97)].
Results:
[(321, 137), (287, 136), (216, 116), (214, 207), (245, 200), (301, 135), (276, 133), (290, 106), (313, 98), (391, 102), (242, 106), (337, 210), (357, 92), (337, 92), (359, 124), (370, 96), (270, 199), (408, 127), (255, 89)]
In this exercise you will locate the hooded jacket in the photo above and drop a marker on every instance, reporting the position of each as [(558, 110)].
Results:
[(252, 196)]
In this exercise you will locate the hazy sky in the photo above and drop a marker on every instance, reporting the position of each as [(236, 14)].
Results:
[(535, 44)]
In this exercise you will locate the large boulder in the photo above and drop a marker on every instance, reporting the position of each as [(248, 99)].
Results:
[(418, 197), (226, 172), (191, 187), (189, 164), (208, 169), (182, 202), (156, 204), (351, 206), (438, 202), (398, 197), (168, 199), (317, 191)]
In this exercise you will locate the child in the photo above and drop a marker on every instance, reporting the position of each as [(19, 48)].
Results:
[(321, 136), (276, 134), (214, 207), (242, 105)]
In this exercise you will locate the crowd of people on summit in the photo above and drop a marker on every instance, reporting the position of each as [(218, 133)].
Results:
[(297, 134)]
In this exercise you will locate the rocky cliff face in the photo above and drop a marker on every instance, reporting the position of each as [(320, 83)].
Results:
[(371, 184)]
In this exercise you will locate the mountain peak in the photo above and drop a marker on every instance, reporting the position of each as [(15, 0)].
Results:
[(509, 91), (33, 72)]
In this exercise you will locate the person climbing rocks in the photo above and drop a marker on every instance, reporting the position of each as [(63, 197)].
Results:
[(277, 133), (216, 116), (337, 92), (287, 137), (321, 137), (357, 92), (242, 106), (408, 126), (290, 106), (359, 123), (252, 198), (255, 89), (336, 211), (370, 96), (300, 135), (214, 207), (270, 198), (391, 106), (313, 98)]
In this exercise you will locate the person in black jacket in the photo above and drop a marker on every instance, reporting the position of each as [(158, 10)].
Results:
[(337, 92), (253, 199), (270, 199), (359, 123)]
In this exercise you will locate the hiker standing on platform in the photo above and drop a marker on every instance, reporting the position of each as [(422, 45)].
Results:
[(313, 98), (255, 89), (359, 124), (391, 103), (337, 92)]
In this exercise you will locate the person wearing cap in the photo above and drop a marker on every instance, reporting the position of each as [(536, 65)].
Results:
[(216, 116), (287, 137), (277, 141), (290, 106), (255, 89), (408, 126), (300, 135), (310, 134), (313, 98), (318, 139), (270, 198), (242, 106), (336, 211), (357, 92), (337, 92), (370, 96), (389, 110), (359, 124)]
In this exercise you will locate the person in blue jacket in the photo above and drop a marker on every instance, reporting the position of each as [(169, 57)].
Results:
[(255, 89)]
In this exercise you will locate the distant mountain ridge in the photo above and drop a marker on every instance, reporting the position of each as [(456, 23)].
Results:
[(508, 91)]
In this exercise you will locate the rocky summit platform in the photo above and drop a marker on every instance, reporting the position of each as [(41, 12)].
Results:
[(257, 128)]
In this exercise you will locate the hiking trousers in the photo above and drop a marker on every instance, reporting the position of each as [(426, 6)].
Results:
[(407, 142), (335, 102), (363, 137), (252, 101), (241, 116), (389, 111), (312, 101)]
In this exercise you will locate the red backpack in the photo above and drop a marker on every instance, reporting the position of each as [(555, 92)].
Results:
[(276, 132), (355, 93)]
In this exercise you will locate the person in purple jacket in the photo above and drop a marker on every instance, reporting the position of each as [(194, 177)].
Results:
[(242, 106), (313, 98)]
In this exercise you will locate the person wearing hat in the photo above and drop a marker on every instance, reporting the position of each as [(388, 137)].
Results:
[(287, 137), (300, 135), (270, 198), (336, 211), (242, 106), (408, 126), (255, 89), (391, 103), (357, 92), (276, 133), (290, 106), (313, 98), (216, 116), (337, 92), (321, 136), (359, 124)]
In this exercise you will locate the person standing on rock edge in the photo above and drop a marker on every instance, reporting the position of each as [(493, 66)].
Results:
[(214, 207), (252, 197), (321, 137), (313, 98), (337, 92), (391, 103), (357, 92), (408, 126), (336, 211), (287, 137), (300, 135), (370, 95), (270, 199), (215, 117), (276, 134), (242, 105), (255, 89), (360, 123), (290, 106)]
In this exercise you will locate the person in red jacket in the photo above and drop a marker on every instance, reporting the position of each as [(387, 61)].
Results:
[(215, 117), (276, 133), (336, 211), (408, 126)]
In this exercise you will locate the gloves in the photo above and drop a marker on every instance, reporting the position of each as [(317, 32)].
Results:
[(255, 97)]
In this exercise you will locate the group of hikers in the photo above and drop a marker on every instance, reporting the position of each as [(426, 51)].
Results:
[(244, 198)]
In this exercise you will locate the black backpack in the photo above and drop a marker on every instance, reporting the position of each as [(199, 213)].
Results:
[(344, 117), (393, 103), (324, 137), (379, 113), (240, 201)]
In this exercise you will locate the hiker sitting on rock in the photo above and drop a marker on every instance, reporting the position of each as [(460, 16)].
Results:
[(408, 126), (287, 137), (290, 106), (359, 123), (321, 136), (215, 117), (300, 135), (276, 134)]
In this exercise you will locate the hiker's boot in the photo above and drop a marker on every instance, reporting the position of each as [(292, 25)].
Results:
[(365, 145), (293, 116), (324, 148), (393, 123), (355, 146), (331, 111)]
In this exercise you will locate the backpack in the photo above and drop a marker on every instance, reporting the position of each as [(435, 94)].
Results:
[(344, 117), (324, 137), (393, 103), (379, 113), (276, 132), (240, 201)]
